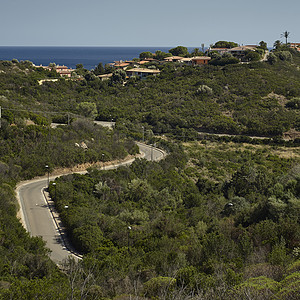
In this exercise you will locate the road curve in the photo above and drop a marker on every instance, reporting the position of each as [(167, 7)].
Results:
[(38, 215)]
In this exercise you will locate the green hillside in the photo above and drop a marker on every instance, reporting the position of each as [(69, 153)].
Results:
[(218, 218)]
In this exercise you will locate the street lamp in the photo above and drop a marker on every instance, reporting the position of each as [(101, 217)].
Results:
[(54, 184), (129, 228), (143, 133), (47, 168)]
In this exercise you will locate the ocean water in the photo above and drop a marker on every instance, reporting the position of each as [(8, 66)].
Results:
[(90, 57)]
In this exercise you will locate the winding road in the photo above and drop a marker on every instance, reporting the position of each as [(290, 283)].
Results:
[(38, 215)]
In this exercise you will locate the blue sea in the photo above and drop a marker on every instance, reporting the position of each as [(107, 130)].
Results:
[(90, 57)]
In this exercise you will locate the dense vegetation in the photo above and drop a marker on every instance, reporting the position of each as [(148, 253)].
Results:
[(253, 98), (26, 271), (210, 220), (217, 219)]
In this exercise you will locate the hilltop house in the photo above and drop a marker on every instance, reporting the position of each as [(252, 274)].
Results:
[(173, 59), (105, 76), (63, 71), (121, 64), (200, 60), (295, 46), (218, 50), (241, 51), (141, 72)]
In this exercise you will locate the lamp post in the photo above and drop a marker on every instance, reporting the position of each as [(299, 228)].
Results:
[(143, 133), (129, 228), (54, 184), (47, 168)]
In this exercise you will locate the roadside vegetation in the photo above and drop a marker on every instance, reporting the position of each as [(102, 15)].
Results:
[(213, 220), (218, 218)]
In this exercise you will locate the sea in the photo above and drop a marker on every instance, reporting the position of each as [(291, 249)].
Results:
[(90, 57)]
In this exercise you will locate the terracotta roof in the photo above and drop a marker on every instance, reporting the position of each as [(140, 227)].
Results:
[(121, 64)]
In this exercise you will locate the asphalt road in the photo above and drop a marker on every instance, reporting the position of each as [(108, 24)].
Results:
[(40, 220)]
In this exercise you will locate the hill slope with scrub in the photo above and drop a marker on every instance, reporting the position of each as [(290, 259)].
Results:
[(218, 218)]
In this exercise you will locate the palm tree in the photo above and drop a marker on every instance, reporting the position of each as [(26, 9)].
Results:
[(286, 35)]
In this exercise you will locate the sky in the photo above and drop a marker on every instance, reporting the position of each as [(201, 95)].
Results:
[(169, 23)]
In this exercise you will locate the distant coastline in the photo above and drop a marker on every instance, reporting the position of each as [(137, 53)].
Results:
[(90, 57)]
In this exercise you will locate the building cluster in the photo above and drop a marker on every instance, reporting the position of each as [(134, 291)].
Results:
[(63, 71), (238, 52), (135, 68)]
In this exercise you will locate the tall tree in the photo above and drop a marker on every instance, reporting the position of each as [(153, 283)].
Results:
[(99, 70), (224, 44), (286, 35), (179, 51), (263, 45)]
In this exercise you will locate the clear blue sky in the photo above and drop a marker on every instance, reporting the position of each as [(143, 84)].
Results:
[(146, 23)]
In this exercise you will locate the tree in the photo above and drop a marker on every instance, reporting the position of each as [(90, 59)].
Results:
[(286, 35), (285, 55), (224, 44), (179, 51), (160, 55), (277, 44), (252, 56), (79, 66), (99, 70), (203, 47), (88, 109), (119, 76), (272, 58), (263, 45), (197, 52), (146, 54)]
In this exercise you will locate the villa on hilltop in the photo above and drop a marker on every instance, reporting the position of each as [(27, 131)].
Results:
[(141, 72), (295, 46), (63, 71)]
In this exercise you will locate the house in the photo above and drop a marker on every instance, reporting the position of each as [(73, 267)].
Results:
[(142, 62), (200, 60), (121, 65), (240, 51), (187, 61), (105, 76), (173, 59), (141, 72), (218, 50), (63, 71), (295, 46)]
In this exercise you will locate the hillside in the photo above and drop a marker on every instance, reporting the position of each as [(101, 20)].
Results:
[(256, 98), (217, 219)]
